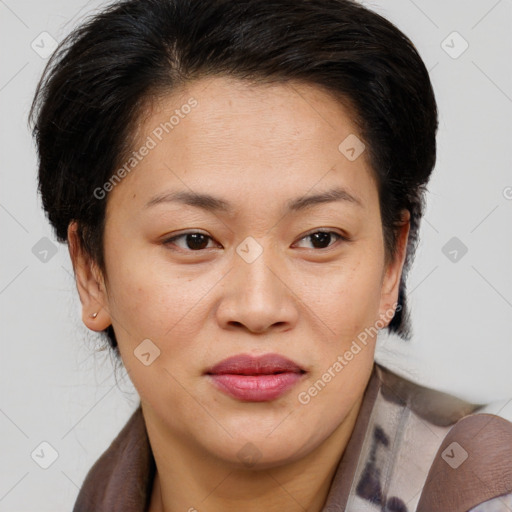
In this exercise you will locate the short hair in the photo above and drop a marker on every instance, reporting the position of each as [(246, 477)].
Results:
[(94, 88)]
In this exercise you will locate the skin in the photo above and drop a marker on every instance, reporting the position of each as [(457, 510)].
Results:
[(256, 147)]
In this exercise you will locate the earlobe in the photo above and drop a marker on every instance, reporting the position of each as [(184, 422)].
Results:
[(89, 283), (393, 272)]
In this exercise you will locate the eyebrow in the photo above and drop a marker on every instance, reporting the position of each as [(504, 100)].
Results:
[(215, 204)]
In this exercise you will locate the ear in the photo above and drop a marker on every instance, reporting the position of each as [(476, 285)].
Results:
[(393, 272), (90, 284)]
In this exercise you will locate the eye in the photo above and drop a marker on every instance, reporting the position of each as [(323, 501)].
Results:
[(321, 239), (192, 241)]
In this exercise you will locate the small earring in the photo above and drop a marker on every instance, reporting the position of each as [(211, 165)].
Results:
[(93, 315)]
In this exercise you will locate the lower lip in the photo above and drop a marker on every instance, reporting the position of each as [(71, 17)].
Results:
[(256, 388)]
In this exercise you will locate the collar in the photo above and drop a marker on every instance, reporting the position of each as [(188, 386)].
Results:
[(397, 418)]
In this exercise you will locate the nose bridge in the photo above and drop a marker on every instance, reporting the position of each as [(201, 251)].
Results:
[(253, 263), (257, 297)]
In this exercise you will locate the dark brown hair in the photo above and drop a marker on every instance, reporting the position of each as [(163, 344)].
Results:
[(93, 89)]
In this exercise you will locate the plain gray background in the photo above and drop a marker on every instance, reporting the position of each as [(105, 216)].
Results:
[(56, 389)]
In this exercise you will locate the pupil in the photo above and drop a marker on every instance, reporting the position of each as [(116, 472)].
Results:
[(321, 239), (197, 241)]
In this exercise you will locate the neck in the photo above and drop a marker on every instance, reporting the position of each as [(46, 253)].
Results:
[(192, 482)]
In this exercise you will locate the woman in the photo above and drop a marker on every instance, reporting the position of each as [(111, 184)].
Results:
[(241, 184)]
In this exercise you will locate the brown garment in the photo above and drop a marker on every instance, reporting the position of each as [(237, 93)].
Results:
[(121, 480), (487, 473)]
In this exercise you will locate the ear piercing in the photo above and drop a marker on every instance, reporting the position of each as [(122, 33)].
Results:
[(93, 315)]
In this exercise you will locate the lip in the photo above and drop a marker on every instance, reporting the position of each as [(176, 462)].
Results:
[(255, 378)]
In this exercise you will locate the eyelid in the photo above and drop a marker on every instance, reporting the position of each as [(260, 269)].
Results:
[(171, 239), (340, 237), (186, 232), (336, 231)]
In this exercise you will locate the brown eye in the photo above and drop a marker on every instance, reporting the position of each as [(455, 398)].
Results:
[(196, 241), (190, 241), (322, 239)]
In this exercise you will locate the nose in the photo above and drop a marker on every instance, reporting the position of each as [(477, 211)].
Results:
[(257, 296)]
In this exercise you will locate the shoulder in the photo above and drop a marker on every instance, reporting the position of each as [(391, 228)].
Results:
[(425, 451), (472, 466)]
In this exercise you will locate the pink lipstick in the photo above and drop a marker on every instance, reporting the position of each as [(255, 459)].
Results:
[(255, 379)]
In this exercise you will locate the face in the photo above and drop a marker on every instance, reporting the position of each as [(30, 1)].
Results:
[(245, 229)]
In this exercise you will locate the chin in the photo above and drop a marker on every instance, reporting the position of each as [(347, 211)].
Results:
[(255, 449)]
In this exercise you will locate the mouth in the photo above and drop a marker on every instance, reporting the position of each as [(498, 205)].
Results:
[(255, 379)]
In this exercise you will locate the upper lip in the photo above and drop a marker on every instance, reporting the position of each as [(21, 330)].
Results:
[(245, 364)]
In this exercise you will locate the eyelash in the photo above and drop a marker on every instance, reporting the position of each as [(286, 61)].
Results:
[(170, 241)]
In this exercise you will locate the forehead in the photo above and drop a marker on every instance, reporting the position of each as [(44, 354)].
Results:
[(225, 135), (239, 106)]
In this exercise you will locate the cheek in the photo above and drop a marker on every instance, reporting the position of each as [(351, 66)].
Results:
[(152, 301), (148, 304), (347, 298), (147, 295)]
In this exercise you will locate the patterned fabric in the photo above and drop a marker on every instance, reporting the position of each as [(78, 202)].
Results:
[(398, 439)]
